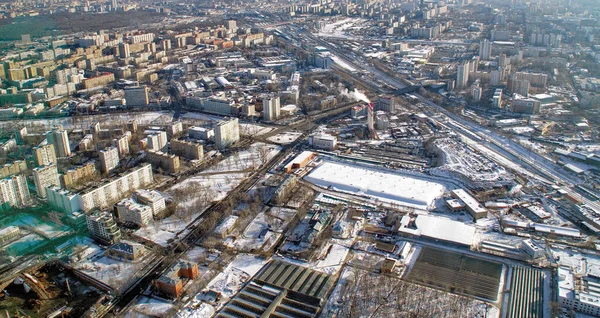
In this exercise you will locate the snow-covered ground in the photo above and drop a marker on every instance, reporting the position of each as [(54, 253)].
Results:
[(149, 307), (48, 230), (285, 138), (239, 271), (211, 185), (251, 240), (201, 116), (332, 263), (257, 154), (203, 310), (285, 215), (339, 28), (247, 129), (342, 63), (359, 292), (214, 183), (211, 188), (116, 274), (462, 159), (143, 118), (378, 184), (161, 231)]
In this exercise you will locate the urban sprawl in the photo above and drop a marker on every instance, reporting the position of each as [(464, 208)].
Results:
[(321, 158)]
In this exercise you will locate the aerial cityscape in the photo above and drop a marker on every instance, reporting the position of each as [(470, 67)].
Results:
[(363, 158)]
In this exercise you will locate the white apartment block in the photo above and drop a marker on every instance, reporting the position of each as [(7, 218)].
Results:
[(146, 37), (174, 129), (271, 108), (44, 177), (113, 191), (59, 139), (105, 195), (63, 200), (130, 211), (14, 191), (157, 141), (122, 144), (109, 159), (44, 155), (227, 133)]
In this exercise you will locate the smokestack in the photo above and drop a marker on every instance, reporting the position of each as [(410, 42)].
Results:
[(370, 117)]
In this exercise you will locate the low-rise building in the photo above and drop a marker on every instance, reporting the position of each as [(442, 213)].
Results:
[(300, 161), (9, 234), (201, 133), (325, 142), (126, 250), (473, 206), (226, 227), (388, 265), (284, 189), (525, 105), (532, 249), (171, 283)]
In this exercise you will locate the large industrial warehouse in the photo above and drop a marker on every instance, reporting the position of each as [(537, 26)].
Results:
[(281, 290)]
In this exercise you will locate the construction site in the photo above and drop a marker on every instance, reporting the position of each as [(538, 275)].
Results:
[(49, 291)]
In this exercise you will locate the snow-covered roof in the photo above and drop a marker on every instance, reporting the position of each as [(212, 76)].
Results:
[(439, 228)]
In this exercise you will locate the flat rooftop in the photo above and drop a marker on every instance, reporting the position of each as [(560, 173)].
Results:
[(378, 184)]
